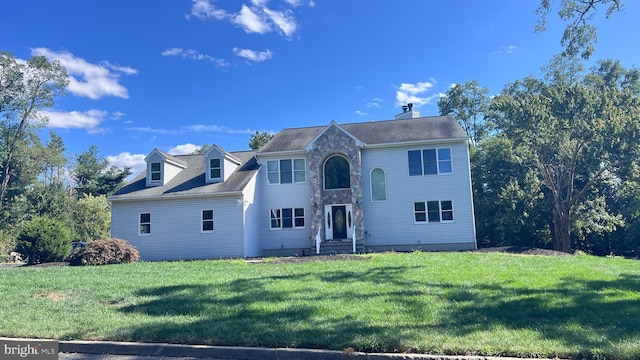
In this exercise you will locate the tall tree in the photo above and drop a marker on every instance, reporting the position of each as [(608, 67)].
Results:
[(25, 89), (580, 36), (469, 103), (259, 139), (574, 133), (94, 176)]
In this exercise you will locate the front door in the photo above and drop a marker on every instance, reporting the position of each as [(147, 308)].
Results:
[(339, 216)]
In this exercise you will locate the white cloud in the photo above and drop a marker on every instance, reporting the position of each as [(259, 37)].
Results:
[(134, 161), (191, 54), (183, 149), (204, 10), (90, 80), (416, 93), (88, 120), (509, 49), (252, 55), (284, 21), (220, 129), (148, 129), (251, 22), (360, 113), (253, 18), (374, 103)]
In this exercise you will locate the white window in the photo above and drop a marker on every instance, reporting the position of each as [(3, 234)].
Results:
[(215, 168), (287, 218), (207, 220), (144, 224), (433, 211), (430, 162), (286, 171), (378, 185), (155, 171)]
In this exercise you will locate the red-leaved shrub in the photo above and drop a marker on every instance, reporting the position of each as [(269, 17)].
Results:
[(103, 252)]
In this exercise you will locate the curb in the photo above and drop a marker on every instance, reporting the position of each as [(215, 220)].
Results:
[(242, 353)]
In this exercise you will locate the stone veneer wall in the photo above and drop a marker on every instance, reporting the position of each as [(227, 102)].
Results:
[(335, 141)]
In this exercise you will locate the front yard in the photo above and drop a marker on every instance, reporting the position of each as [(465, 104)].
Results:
[(447, 303)]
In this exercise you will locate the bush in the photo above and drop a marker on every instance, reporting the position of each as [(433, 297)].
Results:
[(103, 252), (43, 240)]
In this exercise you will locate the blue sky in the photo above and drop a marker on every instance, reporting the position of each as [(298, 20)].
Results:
[(176, 74)]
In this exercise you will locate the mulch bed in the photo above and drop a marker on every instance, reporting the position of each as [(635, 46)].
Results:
[(525, 250)]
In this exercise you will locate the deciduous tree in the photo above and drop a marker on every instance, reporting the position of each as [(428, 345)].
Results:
[(25, 89)]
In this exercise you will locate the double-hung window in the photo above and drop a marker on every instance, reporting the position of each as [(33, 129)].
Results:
[(286, 171), (430, 162), (215, 169), (207, 220), (155, 171), (433, 211), (287, 218), (144, 223)]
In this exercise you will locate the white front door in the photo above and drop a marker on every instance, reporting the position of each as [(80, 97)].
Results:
[(338, 224)]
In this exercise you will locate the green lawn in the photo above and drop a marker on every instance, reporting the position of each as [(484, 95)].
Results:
[(447, 303)]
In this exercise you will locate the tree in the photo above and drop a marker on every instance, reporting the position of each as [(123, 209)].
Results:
[(468, 103), (25, 89), (509, 201), (579, 36), (575, 134), (94, 176), (44, 240), (201, 150), (259, 139), (92, 218)]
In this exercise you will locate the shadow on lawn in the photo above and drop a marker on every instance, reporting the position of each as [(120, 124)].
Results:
[(584, 315)]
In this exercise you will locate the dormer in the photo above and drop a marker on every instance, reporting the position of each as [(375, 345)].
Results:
[(162, 167), (220, 164)]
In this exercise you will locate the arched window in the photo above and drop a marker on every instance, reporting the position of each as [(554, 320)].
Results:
[(378, 185), (336, 173)]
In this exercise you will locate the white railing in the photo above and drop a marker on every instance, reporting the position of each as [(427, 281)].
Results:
[(354, 239), (318, 241)]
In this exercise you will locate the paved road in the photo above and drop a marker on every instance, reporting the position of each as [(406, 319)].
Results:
[(66, 356)]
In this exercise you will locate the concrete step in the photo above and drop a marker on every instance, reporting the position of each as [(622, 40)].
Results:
[(340, 247)]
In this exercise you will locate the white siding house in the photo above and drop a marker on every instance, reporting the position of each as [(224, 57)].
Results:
[(401, 184)]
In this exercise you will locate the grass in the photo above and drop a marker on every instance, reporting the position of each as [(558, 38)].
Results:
[(446, 303)]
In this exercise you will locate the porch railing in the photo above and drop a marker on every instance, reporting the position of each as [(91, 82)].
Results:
[(318, 241), (354, 239)]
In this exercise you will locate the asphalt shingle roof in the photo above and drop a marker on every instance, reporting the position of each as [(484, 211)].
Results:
[(191, 180), (374, 132)]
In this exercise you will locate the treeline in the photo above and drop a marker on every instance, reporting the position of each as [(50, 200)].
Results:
[(38, 179), (554, 161)]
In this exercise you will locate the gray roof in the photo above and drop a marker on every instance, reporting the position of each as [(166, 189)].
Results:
[(191, 180), (374, 133)]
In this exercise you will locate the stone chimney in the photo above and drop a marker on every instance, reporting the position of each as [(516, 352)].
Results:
[(408, 112)]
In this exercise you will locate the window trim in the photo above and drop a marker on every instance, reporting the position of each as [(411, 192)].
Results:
[(324, 172), (152, 172), (292, 161), (203, 220), (426, 212), (280, 218), (438, 161), (210, 168), (140, 224), (384, 175)]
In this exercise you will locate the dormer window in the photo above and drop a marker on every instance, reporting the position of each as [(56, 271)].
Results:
[(156, 172), (215, 169)]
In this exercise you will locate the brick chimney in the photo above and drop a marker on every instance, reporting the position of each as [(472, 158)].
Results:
[(408, 112)]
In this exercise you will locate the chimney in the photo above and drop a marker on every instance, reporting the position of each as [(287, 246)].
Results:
[(408, 112)]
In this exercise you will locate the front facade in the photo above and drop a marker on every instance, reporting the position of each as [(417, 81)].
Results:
[(401, 184)]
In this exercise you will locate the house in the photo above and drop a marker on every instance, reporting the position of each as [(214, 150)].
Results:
[(401, 184)]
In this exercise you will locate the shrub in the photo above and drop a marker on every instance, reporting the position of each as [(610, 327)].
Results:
[(103, 252), (43, 240)]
